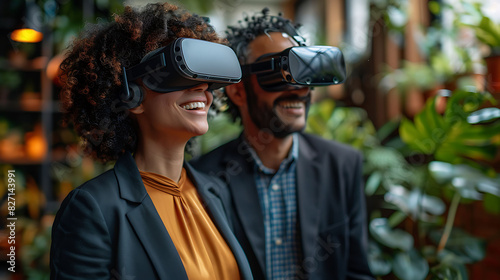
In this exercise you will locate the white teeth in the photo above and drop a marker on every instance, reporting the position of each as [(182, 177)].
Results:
[(194, 105), (295, 105)]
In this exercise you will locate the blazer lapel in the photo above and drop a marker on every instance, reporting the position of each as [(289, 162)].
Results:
[(154, 237), (308, 191), (146, 222), (246, 199), (210, 194)]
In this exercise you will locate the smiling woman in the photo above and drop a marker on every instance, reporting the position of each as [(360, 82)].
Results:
[(171, 118), (152, 216)]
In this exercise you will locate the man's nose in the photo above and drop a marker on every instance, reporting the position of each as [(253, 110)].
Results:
[(302, 91)]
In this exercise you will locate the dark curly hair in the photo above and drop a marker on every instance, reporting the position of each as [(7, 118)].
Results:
[(241, 35), (91, 73)]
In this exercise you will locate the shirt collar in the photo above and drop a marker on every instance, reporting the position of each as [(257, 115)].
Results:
[(293, 154)]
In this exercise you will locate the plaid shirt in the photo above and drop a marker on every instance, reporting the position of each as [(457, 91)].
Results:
[(278, 201)]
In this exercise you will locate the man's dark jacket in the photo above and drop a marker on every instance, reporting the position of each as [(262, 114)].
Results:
[(108, 228), (330, 207)]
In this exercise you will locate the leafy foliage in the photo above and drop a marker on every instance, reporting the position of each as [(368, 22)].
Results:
[(412, 175), (487, 31), (451, 138)]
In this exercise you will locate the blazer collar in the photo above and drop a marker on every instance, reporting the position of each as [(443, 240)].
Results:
[(129, 179), (241, 182), (146, 222), (309, 173)]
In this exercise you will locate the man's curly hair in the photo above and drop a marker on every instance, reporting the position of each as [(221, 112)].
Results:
[(241, 35), (92, 72)]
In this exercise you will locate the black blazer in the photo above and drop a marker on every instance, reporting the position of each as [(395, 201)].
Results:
[(108, 228), (330, 200)]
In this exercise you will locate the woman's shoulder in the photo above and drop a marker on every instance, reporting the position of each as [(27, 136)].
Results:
[(100, 190), (103, 184), (98, 196)]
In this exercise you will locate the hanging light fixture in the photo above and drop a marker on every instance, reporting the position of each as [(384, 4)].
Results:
[(29, 33), (26, 35)]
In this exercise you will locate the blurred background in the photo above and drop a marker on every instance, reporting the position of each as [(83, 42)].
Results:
[(420, 101)]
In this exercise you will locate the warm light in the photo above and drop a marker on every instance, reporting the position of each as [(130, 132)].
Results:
[(53, 68), (36, 144), (26, 35)]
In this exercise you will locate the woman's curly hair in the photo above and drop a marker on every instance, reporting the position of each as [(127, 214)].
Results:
[(92, 72)]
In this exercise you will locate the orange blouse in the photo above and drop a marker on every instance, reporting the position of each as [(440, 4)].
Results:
[(203, 251)]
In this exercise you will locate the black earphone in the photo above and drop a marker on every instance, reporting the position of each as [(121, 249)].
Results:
[(132, 94)]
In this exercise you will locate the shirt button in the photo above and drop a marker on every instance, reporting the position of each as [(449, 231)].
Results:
[(275, 187), (278, 241)]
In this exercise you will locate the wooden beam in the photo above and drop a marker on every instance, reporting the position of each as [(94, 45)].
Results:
[(334, 23)]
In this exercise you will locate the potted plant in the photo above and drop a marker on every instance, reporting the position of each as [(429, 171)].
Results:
[(417, 181), (487, 32)]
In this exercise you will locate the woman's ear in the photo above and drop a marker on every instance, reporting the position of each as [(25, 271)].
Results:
[(137, 110), (144, 92), (237, 94)]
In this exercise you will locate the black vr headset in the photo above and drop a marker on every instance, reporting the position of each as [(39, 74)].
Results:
[(182, 64), (297, 67)]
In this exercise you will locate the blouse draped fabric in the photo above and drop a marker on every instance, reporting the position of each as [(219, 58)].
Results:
[(203, 251)]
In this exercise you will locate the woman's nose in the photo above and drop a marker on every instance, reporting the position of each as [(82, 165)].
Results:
[(200, 87)]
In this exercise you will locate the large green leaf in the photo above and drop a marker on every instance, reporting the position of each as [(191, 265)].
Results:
[(385, 166), (410, 266), (373, 183), (379, 262), (468, 181), (452, 138), (488, 32), (415, 203), (484, 115), (416, 138), (462, 103), (387, 129), (450, 267), (392, 238)]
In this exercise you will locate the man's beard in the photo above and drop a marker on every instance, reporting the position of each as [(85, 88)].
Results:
[(266, 119)]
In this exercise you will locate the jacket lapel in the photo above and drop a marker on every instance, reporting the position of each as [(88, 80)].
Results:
[(209, 193), (245, 197), (154, 237), (308, 191), (146, 222)]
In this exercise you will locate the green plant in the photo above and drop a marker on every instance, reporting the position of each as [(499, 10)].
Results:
[(222, 130), (394, 13), (410, 76), (486, 29), (439, 160)]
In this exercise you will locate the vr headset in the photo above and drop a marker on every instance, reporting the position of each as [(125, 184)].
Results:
[(182, 64), (297, 67)]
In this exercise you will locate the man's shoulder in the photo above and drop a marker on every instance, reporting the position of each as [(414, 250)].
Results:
[(326, 147), (215, 156)]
